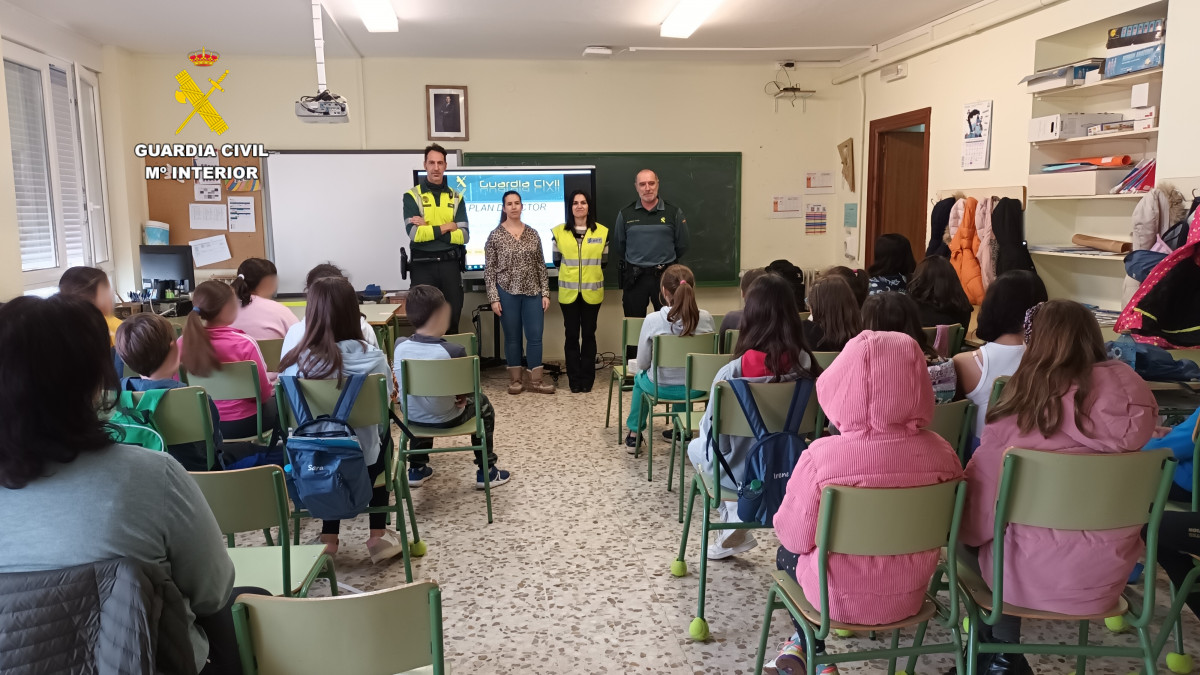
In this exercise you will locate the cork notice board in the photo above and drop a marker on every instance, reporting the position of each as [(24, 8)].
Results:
[(169, 201)]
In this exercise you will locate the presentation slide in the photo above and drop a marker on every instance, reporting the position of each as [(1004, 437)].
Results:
[(543, 193)]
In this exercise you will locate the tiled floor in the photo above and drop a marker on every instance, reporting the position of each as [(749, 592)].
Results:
[(572, 577)]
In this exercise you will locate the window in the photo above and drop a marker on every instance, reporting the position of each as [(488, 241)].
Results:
[(58, 165)]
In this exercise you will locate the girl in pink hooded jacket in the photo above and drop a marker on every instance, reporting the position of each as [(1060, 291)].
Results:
[(1066, 396), (878, 396)]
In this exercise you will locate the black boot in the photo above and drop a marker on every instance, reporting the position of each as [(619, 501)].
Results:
[(1005, 664)]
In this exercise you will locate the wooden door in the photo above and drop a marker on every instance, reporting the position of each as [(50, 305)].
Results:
[(902, 202)]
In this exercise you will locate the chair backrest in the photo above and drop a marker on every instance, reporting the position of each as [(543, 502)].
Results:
[(246, 499), (371, 406), (824, 359), (804, 316), (717, 319), (438, 377), (233, 381), (886, 521), (391, 631), (773, 400), (1080, 492), (272, 351), (731, 340), (467, 340), (956, 337), (702, 369), (952, 421), (631, 330), (997, 390), (670, 351), (182, 416)]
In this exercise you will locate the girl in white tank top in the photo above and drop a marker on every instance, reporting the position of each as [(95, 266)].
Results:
[(994, 360)]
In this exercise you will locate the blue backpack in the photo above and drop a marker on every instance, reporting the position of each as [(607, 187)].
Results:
[(773, 456), (327, 474)]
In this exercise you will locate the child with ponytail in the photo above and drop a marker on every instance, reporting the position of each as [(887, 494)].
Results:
[(678, 316), (210, 340), (259, 316)]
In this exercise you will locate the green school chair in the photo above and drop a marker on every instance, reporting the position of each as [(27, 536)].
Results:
[(952, 421), (717, 319), (232, 382), (442, 377), (371, 407), (631, 329), (773, 400), (256, 499), (957, 334), (825, 359), (997, 389), (272, 352), (670, 351), (701, 371), (398, 630), (877, 522), (1082, 493), (467, 340), (805, 316), (729, 343), (183, 416)]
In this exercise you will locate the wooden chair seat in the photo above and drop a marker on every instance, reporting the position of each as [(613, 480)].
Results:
[(981, 594), (260, 566), (790, 589), (727, 495)]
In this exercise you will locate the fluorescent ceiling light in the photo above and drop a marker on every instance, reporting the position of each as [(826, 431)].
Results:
[(687, 17), (378, 15)]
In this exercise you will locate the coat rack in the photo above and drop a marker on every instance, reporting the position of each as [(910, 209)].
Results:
[(1011, 191)]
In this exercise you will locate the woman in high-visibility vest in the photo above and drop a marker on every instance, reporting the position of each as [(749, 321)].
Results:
[(580, 253)]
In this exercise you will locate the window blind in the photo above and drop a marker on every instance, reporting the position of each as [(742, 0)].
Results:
[(70, 173), (31, 166)]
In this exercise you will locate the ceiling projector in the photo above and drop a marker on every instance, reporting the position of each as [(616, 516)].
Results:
[(324, 108)]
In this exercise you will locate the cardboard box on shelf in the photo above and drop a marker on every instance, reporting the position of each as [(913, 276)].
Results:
[(1100, 130), (1134, 61), (1135, 34), (1066, 125), (1097, 182), (1058, 77)]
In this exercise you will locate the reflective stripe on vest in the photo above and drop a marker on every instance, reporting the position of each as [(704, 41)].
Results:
[(579, 271), (431, 210)]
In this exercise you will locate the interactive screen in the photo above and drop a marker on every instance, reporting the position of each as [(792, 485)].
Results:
[(543, 191)]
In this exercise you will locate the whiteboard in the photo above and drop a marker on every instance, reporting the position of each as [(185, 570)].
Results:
[(340, 207)]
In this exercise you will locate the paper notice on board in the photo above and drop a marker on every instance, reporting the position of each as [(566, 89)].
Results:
[(787, 206), (210, 250), (818, 182), (977, 135), (207, 216), (241, 214), (206, 161), (816, 218), (207, 193)]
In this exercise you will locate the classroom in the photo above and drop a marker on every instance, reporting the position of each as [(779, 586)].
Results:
[(640, 336)]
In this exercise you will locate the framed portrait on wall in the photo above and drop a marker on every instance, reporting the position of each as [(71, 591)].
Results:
[(446, 112)]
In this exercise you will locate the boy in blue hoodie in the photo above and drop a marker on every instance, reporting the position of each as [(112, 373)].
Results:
[(146, 343)]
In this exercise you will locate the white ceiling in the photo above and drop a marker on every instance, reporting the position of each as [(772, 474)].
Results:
[(533, 29)]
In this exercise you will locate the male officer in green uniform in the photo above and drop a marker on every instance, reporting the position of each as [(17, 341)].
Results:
[(436, 220), (649, 235)]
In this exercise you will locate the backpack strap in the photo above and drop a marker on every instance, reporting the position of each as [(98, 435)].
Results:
[(745, 399), (799, 406), (349, 395), (296, 400), (724, 463)]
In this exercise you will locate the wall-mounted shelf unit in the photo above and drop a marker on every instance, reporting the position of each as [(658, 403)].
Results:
[(1119, 257), (1121, 82), (1052, 198), (1106, 138)]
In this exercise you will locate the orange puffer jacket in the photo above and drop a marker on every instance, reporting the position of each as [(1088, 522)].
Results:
[(964, 250)]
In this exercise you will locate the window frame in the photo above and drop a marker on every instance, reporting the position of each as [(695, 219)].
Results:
[(41, 62)]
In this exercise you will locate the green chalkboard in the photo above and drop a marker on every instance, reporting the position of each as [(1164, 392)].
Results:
[(706, 185)]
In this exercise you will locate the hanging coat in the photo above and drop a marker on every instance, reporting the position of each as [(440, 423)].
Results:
[(987, 241), (1008, 228), (1151, 219), (939, 220), (952, 223), (964, 250), (1165, 310)]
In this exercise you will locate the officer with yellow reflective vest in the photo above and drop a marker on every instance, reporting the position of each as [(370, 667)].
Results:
[(436, 220), (580, 253)]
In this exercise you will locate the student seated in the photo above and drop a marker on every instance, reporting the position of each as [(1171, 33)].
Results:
[(332, 348), (835, 311), (259, 316), (429, 314), (210, 340), (897, 312), (795, 278), (1001, 326), (894, 263), (859, 281), (939, 294), (70, 496), (296, 332), (1178, 541), (771, 348), (1066, 396), (877, 394), (733, 320), (146, 343), (91, 284), (679, 316)]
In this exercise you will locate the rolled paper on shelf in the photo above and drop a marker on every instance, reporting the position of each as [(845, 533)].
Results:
[(1110, 160), (1102, 244)]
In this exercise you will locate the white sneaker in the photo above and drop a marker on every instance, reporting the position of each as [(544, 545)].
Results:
[(726, 549), (388, 546)]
